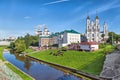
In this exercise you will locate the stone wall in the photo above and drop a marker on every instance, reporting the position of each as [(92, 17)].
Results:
[(111, 68)]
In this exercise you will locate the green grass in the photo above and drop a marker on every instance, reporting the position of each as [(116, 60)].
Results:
[(28, 50), (90, 62), (1, 55), (21, 74), (94, 67)]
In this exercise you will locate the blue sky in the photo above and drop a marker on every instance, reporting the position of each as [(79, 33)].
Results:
[(18, 17)]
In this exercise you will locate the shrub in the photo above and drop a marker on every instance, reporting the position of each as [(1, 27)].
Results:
[(64, 48)]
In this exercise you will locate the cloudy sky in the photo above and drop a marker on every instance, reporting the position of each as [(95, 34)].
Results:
[(18, 17)]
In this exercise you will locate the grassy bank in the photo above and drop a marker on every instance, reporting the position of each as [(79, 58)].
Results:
[(1, 50), (90, 62), (13, 68), (28, 50), (17, 71)]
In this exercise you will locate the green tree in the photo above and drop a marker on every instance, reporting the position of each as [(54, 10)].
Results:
[(103, 35), (28, 40), (20, 45), (12, 45)]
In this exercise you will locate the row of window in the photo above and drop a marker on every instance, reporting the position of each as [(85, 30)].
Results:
[(93, 35)]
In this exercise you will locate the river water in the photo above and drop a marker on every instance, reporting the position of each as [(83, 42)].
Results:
[(38, 70)]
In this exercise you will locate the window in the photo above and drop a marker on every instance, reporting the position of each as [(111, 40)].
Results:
[(92, 35), (88, 35), (93, 28)]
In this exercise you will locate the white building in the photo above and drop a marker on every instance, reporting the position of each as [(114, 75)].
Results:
[(44, 37), (93, 30), (89, 46), (67, 37), (42, 30)]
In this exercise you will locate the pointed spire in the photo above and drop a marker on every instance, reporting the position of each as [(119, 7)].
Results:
[(88, 15), (97, 15)]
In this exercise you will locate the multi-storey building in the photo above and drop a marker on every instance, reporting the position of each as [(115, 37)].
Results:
[(67, 37), (44, 37)]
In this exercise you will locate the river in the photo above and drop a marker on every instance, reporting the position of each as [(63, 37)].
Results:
[(38, 70)]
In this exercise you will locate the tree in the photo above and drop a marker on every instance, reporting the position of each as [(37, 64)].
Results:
[(103, 35), (28, 40), (12, 45), (113, 37), (20, 45)]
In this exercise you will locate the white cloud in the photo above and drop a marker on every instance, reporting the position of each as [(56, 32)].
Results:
[(27, 17), (54, 2)]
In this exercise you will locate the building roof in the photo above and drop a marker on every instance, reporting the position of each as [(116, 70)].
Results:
[(89, 43), (71, 31), (45, 36)]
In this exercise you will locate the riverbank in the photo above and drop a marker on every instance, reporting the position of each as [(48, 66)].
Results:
[(74, 59), (89, 62), (83, 75), (6, 73), (13, 68)]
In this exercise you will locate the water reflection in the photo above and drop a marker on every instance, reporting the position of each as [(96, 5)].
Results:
[(38, 70), (68, 77)]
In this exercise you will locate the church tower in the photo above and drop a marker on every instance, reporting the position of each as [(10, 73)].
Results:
[(93, 33), (105, 32), (88, 28), (92, 29), (97, 29)]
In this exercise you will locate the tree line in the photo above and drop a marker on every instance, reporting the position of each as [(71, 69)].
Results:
[(23, 43), (113, 37)]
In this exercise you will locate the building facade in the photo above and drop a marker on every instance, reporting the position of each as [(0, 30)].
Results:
[(89, 46), (44, 37), (67, 37), (42, 30), (93, 32)]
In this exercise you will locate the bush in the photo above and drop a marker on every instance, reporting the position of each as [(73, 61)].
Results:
[(64, 48)]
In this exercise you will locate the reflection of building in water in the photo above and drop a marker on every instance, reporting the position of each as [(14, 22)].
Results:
[(24, 59), (27, 63)]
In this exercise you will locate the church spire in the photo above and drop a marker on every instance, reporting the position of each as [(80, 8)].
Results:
[(97, 15), (88, 15), (105, 28)]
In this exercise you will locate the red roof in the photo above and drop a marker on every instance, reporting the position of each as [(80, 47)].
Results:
[(89, 43)]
